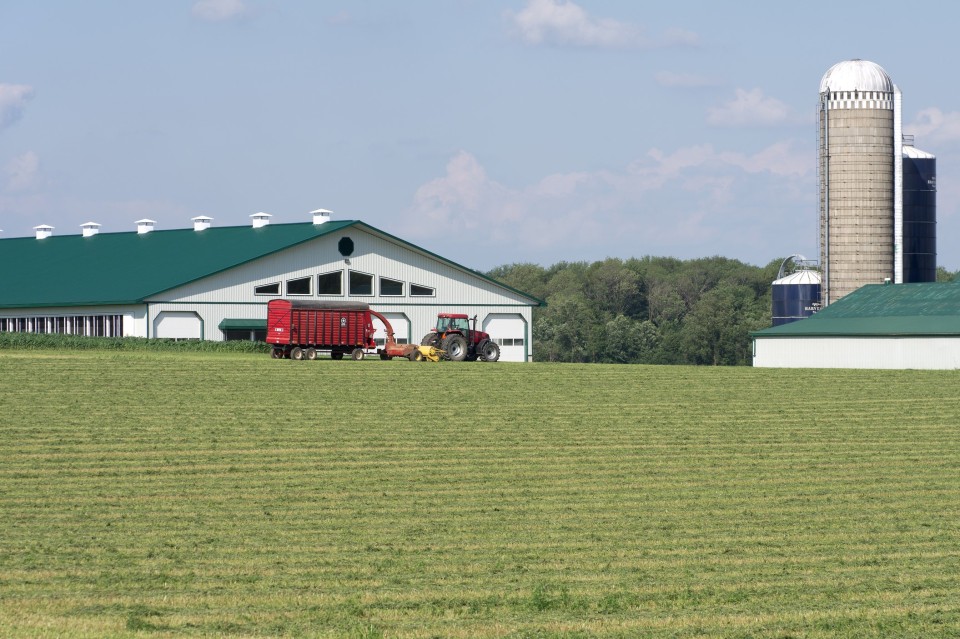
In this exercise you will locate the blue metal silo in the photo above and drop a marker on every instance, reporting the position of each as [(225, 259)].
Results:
[(796, 296)]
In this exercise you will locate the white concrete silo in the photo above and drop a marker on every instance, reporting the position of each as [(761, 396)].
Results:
[(860, 146)]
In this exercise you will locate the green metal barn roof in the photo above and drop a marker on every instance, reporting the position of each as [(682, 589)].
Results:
[(931, 309), (130, 267)]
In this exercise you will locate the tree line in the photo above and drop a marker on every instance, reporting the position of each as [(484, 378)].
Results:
[(649, 310)]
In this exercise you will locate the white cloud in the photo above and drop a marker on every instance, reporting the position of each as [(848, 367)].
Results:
[(13, 98), (218, 10), (562, 22), (692, 199), (22, 172), (749, 108), (936, 125), (684, 80)]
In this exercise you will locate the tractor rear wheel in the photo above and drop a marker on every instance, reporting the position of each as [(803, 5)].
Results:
[(489, 351), (430, 339), (455, 346)]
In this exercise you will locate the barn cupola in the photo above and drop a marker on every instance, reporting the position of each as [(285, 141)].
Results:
[(321, 216), (145, 226), (90, 229), (259, 220), (201, 222), (43, 231)]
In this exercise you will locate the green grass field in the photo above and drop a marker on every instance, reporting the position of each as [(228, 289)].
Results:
[(165, 494)]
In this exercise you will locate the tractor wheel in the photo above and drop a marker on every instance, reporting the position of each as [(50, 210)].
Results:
[(336, 355), (357, 354), (296, 353), (277, 353), (310, 353), (489, 351), (430, 339), (415, 356), (455, 346)]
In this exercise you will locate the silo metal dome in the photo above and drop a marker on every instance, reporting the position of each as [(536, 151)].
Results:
[(856, 75)]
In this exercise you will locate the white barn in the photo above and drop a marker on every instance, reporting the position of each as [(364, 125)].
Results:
[(212, 283), (893, 326)]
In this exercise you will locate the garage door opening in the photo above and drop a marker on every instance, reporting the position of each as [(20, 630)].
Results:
[(178, 325), (509, 331)]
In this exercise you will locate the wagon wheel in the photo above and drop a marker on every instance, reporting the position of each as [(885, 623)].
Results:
[(296, 353), (277, 353), (357, 354), (311, 353)]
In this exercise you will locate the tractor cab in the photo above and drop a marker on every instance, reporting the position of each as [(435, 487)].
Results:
[(452, 322)]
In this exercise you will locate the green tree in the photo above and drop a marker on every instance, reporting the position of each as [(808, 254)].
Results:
[(628, 341), (717, 330)]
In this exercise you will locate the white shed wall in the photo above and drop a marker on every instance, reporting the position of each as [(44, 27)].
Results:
[(858, 352), (230, 295)]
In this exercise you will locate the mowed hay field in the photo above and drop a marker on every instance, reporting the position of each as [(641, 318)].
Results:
[(160, 494)]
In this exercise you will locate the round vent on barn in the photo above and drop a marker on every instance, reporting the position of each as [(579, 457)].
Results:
[(345, 246)]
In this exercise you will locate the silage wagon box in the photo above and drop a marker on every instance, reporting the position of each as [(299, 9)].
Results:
[(301, 329)]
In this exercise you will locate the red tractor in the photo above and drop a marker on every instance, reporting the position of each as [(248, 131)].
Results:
[(457, 336)]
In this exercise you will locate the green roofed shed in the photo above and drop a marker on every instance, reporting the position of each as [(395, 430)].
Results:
[(876, 326)]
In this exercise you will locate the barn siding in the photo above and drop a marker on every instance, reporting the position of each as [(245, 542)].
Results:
[(858, 352)]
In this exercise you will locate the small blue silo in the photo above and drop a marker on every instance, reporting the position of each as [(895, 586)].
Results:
[(796, 296)]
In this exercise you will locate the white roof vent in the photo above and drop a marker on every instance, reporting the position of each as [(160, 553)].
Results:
[(90, 229), (145, 226), (201, 222), (260, 219), (321, 216), (43, 231)]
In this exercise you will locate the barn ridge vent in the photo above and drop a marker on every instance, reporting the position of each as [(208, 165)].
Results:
[(90, 229), (43, 231)]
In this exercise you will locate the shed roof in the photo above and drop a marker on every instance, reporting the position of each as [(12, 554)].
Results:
[(882, 310), (130, 267)]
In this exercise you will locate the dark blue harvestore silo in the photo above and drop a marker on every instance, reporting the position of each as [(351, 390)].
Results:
[(796, 296), (919, 216)]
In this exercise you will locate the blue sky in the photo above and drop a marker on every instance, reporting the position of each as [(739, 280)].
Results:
[(488, 131)]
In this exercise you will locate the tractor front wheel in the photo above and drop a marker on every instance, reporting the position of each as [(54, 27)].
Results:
[(489, 351), (455, 346)]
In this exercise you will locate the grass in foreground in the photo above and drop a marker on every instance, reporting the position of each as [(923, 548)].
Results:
[(161, 494)]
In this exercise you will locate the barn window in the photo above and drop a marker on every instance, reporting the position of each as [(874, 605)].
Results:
[(267, 289), (361, 283), (421, 291), (300, 286), (390, 287), (330, 283)]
